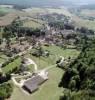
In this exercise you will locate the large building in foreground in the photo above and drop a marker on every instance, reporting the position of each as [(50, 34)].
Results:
[(32, 84)]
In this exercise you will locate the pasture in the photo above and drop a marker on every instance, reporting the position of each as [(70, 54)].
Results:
[(7, 19), (4, 11), (36, 11), (83, 22), (50, 89)]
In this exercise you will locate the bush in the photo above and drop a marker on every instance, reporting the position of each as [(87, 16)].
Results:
[(6, 90)]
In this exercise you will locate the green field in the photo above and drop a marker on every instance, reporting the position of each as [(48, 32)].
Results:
[(32, 24), (55, 53), (49, 90), (87, 12), (4, 11), (10, 66), (35, 11), (63, 11), (78, 21), (83, 23)]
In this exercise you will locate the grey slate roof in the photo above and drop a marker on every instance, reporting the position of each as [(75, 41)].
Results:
[(33, 84)]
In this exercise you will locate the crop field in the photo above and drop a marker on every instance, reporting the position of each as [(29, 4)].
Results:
[(78, 21), (4, 11), (7, 15), (59, 11), (55, 74), (2, 58), (35, 11), (83, 23), (7, 19), (33, 23), (90, 13)]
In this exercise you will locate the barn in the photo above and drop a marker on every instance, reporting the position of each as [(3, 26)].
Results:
[(32, 84)]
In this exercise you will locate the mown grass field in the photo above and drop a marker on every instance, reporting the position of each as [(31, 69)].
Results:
[(49, 90)]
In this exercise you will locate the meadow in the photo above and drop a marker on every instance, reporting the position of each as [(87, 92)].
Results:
[(83, 22), (49, 90)]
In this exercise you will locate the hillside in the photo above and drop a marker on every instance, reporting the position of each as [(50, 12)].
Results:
[(79, 77)]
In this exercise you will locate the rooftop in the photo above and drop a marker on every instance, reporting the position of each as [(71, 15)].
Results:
[(33, 83)]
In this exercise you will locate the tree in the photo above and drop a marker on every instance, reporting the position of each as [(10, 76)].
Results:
[(80, 74), (6, 90)]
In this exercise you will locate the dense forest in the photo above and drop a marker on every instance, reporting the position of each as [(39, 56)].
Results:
[(78, 80)]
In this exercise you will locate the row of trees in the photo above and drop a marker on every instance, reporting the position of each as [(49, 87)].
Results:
[(6, 87), (69, 26), (61, 25)]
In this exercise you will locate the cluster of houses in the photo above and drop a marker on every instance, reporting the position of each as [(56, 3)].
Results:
[(20, 47), (53, 37), (15, 47), (56, 36)]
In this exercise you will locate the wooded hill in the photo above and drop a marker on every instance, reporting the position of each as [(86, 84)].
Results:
[(79, 78)]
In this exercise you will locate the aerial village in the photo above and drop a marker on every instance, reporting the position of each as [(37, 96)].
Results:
[(28, 54), (20, 46)]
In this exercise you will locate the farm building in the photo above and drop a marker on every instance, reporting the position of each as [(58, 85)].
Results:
[(32, 84)]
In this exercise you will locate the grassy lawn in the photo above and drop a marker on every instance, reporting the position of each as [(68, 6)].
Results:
[(31, 68), (12, 65), (55, 53), (49, 90)]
